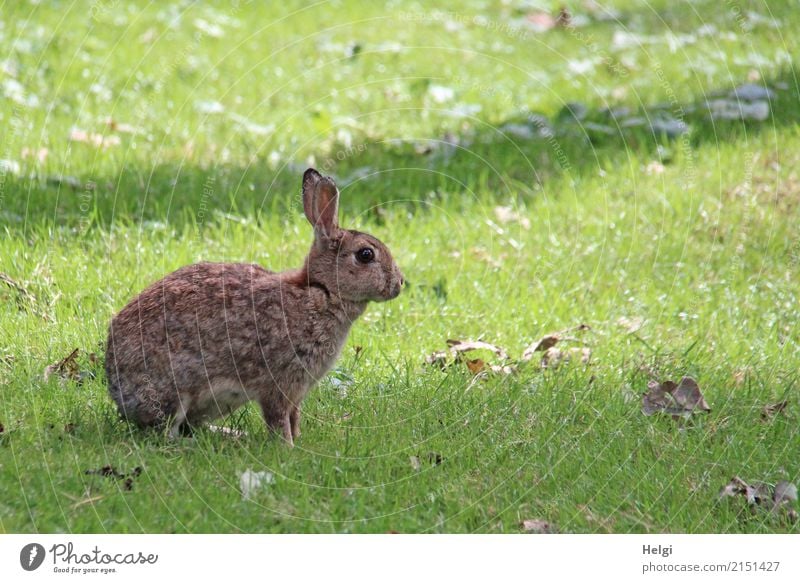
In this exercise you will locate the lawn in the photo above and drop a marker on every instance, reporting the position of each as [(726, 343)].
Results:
[(531, 173)]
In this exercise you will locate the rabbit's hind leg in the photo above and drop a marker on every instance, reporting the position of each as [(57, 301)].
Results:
[(179, 424), (294, 421), (277, 417)]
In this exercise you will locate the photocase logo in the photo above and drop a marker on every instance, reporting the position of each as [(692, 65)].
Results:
[(31, 556)]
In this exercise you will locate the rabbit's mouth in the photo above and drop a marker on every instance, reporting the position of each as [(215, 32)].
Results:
[(394, 289)]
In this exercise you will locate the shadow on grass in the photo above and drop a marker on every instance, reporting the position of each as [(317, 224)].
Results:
[(515, 158)]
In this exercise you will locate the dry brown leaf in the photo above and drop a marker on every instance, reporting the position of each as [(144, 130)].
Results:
[(733, 488), (476, 366), (550, 340), (538, 526), (541, 345), (502, 369), (460, 346), (678, 400), (769, 411), (759, 494), (66, 369), (554, 357), (438, 358)]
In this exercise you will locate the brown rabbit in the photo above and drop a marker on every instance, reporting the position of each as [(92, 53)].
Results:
[(210, 337)]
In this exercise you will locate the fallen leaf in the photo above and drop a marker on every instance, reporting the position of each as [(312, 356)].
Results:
[(476, 366), (461, 346), (678, 400), (543, 344), (769, 411), (553, 357), (547, 342), (438, 358), (759, 494), (67, 368), (538, 526), (250, 481), (502, 369), (733, 488)]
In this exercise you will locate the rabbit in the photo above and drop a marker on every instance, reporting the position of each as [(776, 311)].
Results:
[(210, 337)]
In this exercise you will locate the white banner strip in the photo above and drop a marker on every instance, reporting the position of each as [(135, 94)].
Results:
[(353, 558)]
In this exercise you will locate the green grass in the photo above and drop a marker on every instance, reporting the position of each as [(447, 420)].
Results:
[(705, 253)]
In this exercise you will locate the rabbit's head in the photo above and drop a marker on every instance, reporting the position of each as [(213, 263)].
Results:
[(352, 265)]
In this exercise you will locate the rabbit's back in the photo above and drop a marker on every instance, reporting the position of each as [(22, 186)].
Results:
[(213, 335)]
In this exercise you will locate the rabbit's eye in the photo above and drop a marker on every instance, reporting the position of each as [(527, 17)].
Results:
[(365, 255)]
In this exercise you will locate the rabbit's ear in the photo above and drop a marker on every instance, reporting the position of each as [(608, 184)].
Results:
[(321, 202)]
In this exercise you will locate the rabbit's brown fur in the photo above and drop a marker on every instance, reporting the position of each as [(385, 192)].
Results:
[(210, 337)]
